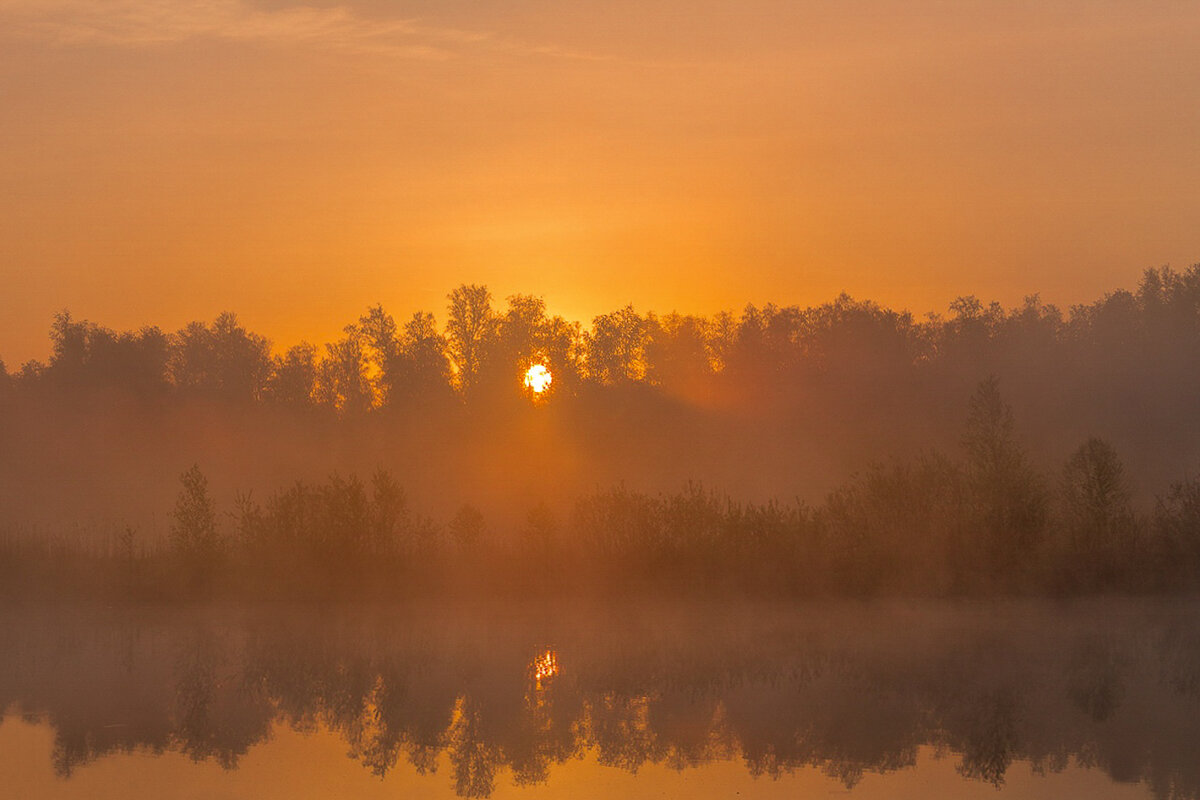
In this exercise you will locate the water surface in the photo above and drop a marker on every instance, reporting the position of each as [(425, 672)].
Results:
[(534, 700)]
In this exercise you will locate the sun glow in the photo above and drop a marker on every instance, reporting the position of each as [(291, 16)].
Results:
[(538, 378)]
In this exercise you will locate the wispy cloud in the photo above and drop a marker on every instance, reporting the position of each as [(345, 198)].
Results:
[(125, 23)]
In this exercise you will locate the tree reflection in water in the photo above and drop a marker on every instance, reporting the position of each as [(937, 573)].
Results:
[(848, 689)]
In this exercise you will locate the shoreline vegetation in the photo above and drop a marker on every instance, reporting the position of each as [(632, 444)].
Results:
[(986, 524), (645, 469)]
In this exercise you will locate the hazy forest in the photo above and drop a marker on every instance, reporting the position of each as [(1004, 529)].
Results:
[(845, 448)]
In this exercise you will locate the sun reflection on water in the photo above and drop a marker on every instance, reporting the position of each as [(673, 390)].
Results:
[(544, 667)]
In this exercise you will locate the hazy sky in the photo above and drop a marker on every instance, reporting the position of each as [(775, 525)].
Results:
[(163, 160)]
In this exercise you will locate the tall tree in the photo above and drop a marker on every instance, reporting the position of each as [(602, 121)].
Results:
[(194, 536), (69, 343), (342, 380), (293, 378), (470, 329), (420, 370), (1097, 516), (561, 345), (87, 356), (1177, 525), (520, 330), (221, 360), (1008, 496), (381, 344), (677, 352), (616, 347)]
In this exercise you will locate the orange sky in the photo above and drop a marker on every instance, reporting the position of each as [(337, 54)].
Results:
[(161, 161)]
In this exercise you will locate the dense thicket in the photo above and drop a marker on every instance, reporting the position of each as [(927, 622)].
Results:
[(983, 523)]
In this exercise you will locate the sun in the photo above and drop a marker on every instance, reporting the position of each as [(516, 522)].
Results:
[(538, 378)]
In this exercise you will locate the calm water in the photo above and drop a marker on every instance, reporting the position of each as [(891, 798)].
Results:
[(1098, 699)]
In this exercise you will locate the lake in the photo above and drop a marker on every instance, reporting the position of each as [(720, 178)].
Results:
[(1097, 699)]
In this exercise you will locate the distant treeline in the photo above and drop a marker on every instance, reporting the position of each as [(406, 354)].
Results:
[(985, 523), (481, 352), (781, 402)]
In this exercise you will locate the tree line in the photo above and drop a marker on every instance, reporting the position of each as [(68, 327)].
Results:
[(784, 402), (763, 353), (987, 521)]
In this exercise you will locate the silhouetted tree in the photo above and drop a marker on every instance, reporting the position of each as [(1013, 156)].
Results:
[(194, 536), (616, 347), (31, 372), (1177, 528), (1030, 329), (763, 350), (853, 340), (470, 329), (561, 345), (965, 343), (1097, 516), (677, 353), (69, 341), (1009, 498), (342, 381), (519, 329), (722, 331), (381, 345), (524, 336), (222, 360), (87, 356), (517, 344), (294, 377), (419, 370)]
